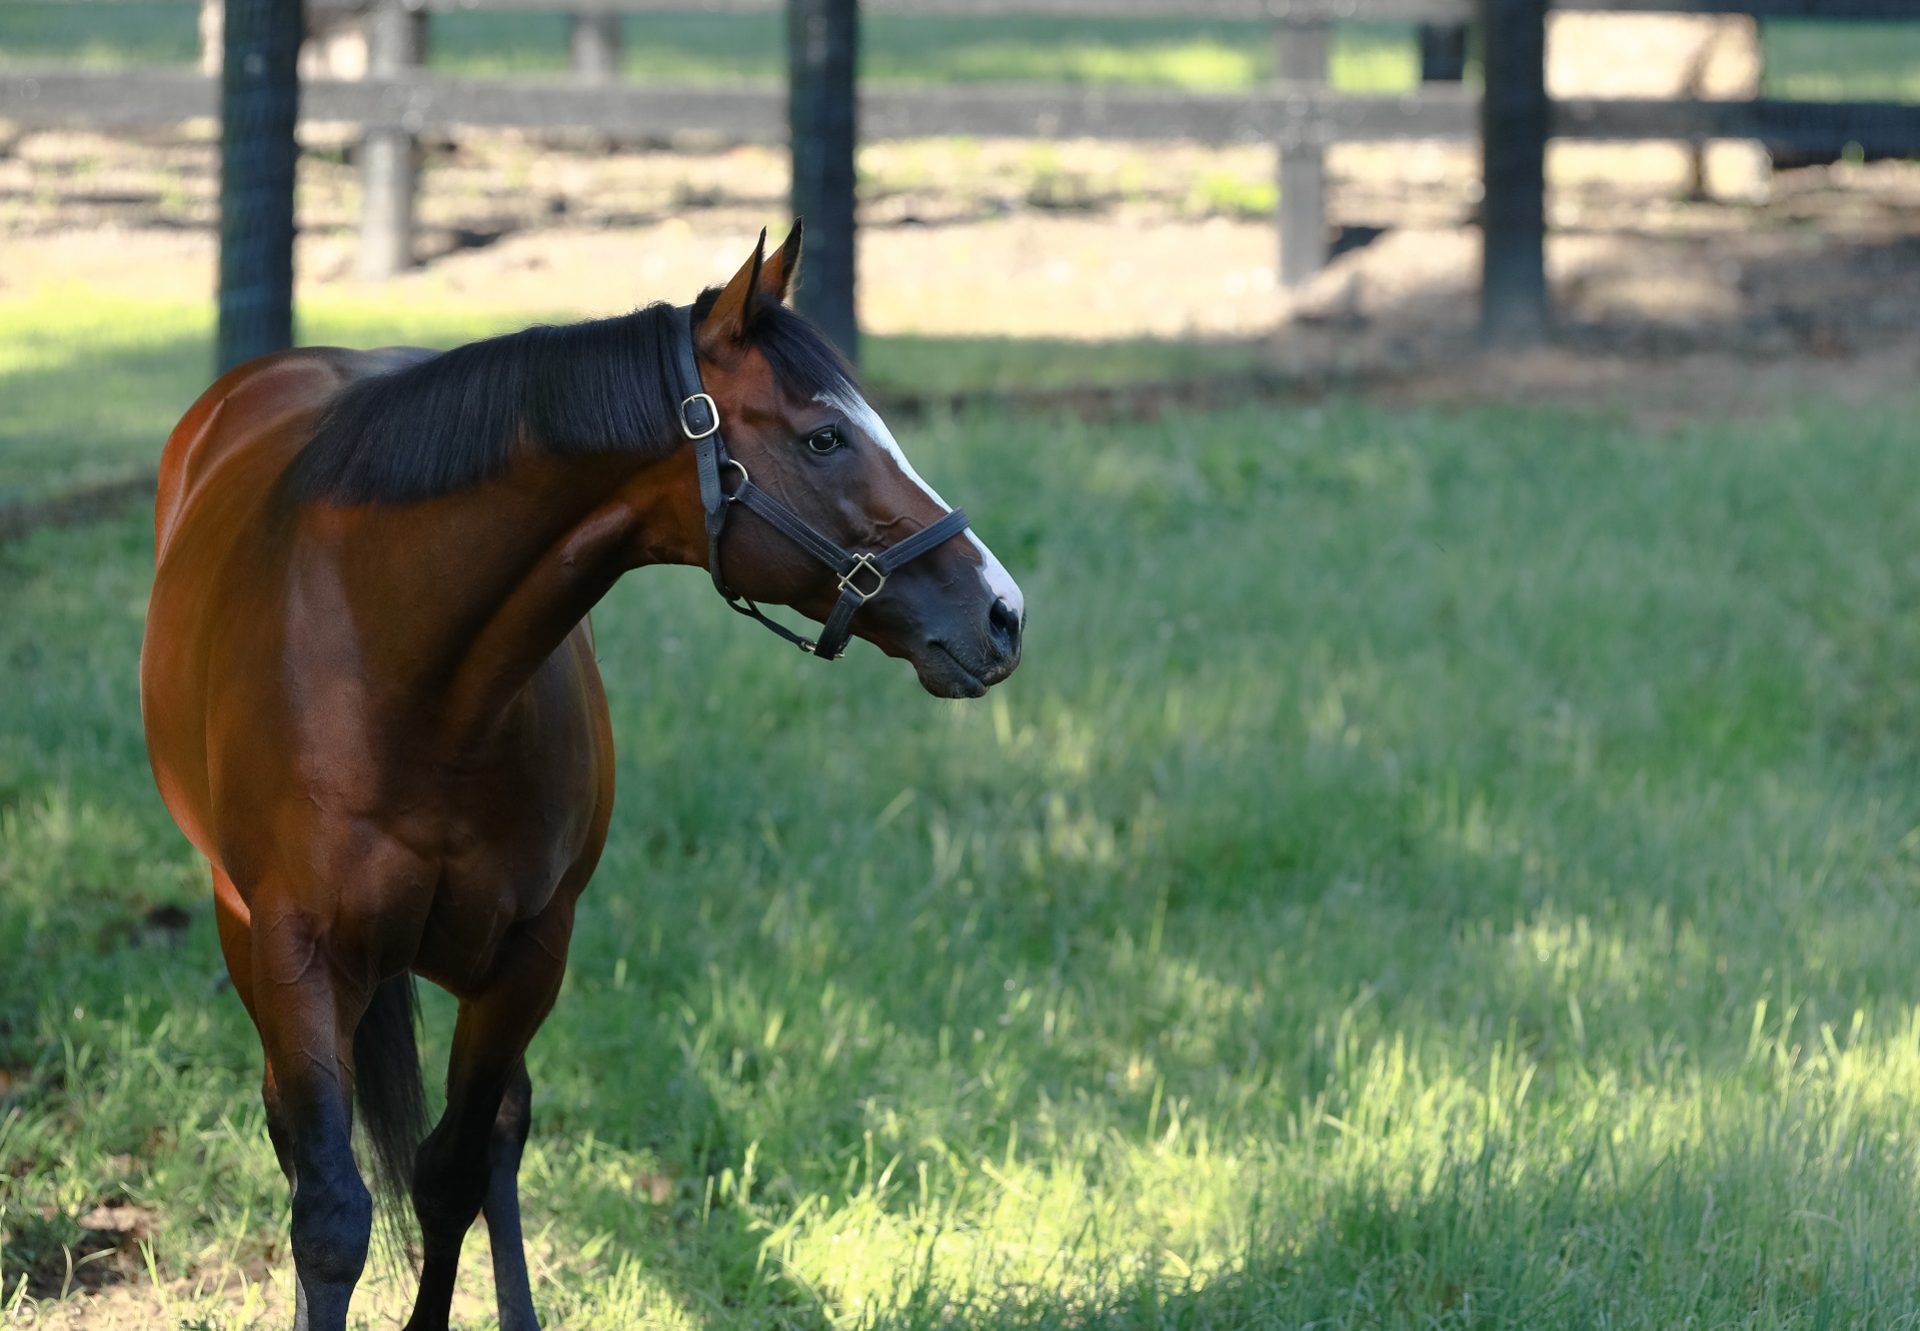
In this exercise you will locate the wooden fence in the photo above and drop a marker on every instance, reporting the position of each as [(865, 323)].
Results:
[(1298, 113), (1517, 118)]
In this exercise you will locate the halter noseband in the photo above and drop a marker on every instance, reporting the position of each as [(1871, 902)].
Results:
[(861, 575)]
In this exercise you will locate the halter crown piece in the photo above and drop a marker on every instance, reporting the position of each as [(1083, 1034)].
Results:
[(861, 575)]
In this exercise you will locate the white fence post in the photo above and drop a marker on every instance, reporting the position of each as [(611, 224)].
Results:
[(1301, 60), (596, 46), (389, 155)]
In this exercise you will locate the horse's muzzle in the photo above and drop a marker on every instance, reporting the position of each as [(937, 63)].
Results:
[(966, 664)]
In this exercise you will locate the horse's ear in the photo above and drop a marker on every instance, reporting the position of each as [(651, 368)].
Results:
[(777, 276), (732, 311)]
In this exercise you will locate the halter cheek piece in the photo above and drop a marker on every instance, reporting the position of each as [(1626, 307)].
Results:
[(861, 575)]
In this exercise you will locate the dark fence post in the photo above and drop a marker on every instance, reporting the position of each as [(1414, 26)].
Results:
[(1443, 52), (389, 155), (1513, 138), (259, 107), (823, 58)]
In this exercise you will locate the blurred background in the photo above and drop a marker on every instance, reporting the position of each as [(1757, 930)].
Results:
[(1449, 857), (1303, 192)]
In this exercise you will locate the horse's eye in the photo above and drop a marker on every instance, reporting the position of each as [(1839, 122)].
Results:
[(824, 440)]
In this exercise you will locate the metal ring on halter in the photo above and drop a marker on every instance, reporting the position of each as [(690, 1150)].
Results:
[(745, 480), (863, 564)]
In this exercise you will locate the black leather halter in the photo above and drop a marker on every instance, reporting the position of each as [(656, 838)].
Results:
[(861, 575)]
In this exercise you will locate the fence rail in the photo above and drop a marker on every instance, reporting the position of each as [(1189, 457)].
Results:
[(1877, 127), (431, 103), (1298, 113)]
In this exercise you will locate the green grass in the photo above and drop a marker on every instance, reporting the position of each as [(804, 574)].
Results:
[(1432, 870), (900, 50), (1842, 61), (101, 35), (749, 47)]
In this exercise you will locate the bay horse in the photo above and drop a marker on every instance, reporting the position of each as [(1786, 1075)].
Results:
[(371, 700)]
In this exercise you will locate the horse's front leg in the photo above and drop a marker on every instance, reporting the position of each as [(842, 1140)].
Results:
[(472, 1156), (306, 1007)]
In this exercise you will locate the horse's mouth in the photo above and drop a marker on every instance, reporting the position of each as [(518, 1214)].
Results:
[(945, 675)]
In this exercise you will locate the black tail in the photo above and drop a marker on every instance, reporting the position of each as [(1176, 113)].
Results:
[(386, 1084)]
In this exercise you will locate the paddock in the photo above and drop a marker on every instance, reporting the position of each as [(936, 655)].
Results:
[(1445, 859)]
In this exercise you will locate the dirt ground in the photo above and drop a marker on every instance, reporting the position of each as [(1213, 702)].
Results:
[(1664, 299)]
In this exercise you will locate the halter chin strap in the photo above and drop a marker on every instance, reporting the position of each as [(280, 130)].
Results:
[(861, 575)]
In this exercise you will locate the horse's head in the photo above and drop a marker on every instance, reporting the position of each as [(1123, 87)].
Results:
[(799, 433)]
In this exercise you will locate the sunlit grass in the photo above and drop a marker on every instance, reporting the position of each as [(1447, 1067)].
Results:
[(60, 429)]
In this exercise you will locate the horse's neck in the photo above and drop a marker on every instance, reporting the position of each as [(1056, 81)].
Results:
[(473, 592)]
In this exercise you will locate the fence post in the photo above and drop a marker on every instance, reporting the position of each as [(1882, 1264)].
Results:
[(389, 162), (596, 46), (1513, 139), (823, 59), (1443, 52), (1301, 60), (259, 109)]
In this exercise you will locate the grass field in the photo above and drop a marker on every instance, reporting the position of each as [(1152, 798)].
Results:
[(1433, 869), (1808, 60)]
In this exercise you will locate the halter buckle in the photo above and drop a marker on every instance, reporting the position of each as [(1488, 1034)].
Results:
[(863, 564), (709, 414)]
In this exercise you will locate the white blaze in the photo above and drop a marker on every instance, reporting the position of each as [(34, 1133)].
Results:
[(857, 411)]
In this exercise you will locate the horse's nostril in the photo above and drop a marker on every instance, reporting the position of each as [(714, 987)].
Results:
[(1005, 623)]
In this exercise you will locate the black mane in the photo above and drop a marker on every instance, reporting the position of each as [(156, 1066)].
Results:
[(454, 419)]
